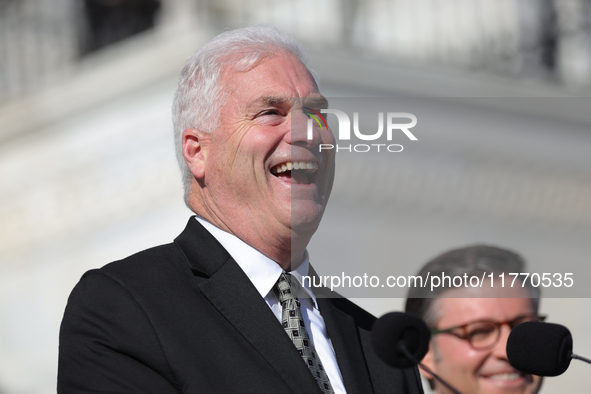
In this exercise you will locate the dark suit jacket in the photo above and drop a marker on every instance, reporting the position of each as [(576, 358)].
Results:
[(184, 318)]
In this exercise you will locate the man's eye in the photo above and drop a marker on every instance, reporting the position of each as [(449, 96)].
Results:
[(270, 117), (270, 112), (481, 332), (313, 113)]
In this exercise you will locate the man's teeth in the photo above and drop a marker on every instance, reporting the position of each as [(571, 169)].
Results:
[(296, 165), (505, 376)]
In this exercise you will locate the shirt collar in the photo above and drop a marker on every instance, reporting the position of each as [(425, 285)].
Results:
[(261, 270), (302, 271)]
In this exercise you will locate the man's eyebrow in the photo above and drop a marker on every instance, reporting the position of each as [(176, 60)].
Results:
[(270, 101), (276, 101), (316, 102)]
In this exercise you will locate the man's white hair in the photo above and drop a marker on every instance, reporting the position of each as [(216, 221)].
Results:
[(199, 96)]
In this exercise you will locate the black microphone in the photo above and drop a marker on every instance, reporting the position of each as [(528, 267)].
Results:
[(402, 340), (395, 331), (543, 349)]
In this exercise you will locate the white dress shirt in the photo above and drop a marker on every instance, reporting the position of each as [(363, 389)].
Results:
[(264, 273)]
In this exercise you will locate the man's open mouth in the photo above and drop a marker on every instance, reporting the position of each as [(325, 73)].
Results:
[(302, 172)]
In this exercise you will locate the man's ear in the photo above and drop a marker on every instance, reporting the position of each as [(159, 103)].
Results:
[(195, 145)]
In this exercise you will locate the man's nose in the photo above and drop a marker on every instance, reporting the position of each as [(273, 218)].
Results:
[(305, 131), (500, 349)]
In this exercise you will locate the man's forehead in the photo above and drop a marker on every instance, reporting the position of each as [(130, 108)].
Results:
[(454, 311)]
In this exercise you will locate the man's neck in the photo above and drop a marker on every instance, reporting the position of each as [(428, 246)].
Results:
[(285, 255)]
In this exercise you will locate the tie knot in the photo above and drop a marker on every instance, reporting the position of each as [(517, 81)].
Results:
[(284, 288)]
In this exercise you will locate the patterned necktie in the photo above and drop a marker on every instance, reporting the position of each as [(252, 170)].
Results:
[(293, 324)]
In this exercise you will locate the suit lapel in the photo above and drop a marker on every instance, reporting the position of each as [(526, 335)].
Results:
[(230, 291), (344, 336)]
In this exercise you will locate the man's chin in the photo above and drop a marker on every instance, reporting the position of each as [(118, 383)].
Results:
[(305, 216)]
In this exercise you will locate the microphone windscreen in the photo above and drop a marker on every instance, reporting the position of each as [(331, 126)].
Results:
[(396, 329), (538, 348)]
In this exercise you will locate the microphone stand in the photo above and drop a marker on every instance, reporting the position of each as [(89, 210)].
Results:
[(580, 358), (410, 356)]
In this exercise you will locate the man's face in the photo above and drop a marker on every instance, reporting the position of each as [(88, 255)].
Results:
[(245, 192), (479, 371)]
